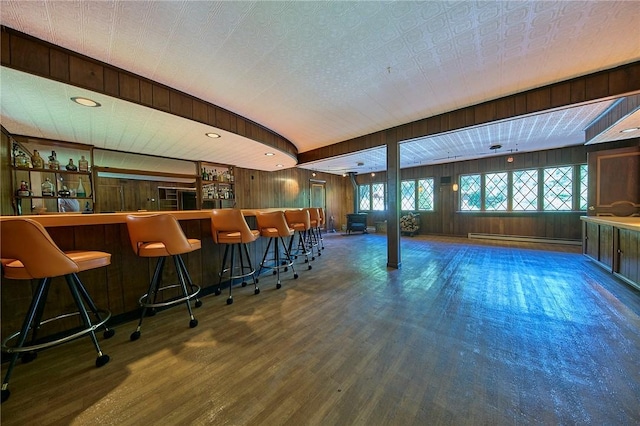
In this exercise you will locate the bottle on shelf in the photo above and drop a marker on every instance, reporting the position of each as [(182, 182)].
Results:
[(70, 166), (64, 192), (83, 164), (47, 188), (54, 164), (36, 160), (80, 192), (23, 190), (21, 160)]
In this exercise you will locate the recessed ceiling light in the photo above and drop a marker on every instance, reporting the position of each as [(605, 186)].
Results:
[(279, 165), (629, 130), (212, 135), (269, 154), (85, 102)]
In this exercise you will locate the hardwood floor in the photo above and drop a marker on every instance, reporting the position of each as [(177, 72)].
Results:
[(466, 332)]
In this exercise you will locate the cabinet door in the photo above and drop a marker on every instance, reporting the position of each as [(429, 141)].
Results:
[(605, 249), (591, 240), (629, 255)]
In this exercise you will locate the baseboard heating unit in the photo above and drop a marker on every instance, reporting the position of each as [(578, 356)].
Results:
[(523, 239)]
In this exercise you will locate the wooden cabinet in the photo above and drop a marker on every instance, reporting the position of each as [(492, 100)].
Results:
[(50, 176), (614, 244), (217, 186), (627, 264)]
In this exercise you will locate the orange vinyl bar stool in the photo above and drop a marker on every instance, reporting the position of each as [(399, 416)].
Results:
[(160, 235), (229, 227), (28, 252), (313, 237), (273, 225), (300, 222)]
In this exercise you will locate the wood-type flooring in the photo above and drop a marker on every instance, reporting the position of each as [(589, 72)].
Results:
[(464, 333)]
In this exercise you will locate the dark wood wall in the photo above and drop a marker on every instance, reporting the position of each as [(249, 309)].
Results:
[(290, 188)]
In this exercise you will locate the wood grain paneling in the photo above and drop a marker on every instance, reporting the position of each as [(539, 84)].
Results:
[(87, 74)]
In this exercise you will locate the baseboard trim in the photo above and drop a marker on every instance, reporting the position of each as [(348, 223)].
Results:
[(524, 239)]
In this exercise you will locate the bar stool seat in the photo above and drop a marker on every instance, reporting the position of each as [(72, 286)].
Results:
[(28, 253), (300, 222), (160, 236), (229, 227), (273, 225)]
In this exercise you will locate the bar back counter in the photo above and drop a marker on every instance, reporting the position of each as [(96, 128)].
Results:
[(614, 244), (119, 285)]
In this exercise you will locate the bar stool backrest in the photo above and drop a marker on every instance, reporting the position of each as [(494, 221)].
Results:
[(163, 228), (298, 216), (230, 220), (29, 242), (321, 213), (275, 220), (314, 215)]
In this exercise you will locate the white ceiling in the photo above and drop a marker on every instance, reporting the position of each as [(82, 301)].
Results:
[(322, 72)]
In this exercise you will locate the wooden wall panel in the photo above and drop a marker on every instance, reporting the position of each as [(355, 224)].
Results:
[(28, 55), (129, 87), (59, 65), (87, 74)]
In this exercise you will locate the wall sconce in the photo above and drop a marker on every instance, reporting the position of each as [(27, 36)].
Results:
[(313, 174), (372, 174), (509, 159), (455, 187)]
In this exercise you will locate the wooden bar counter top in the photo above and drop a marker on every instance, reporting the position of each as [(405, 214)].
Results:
[(78, 219)]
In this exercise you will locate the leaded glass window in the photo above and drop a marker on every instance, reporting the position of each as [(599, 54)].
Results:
[(583, 186), (408, 195), (470, 193), (364, 197), (425, 194), (377, 190), (525, 190), (558, 183), (496, 191)]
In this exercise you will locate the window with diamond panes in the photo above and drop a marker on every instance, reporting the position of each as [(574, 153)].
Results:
[(364, 197), (496, 190), (408, 195), (470, 193), (377, 191), (525, 190), (425, 194), (583, 186), (558, 183)]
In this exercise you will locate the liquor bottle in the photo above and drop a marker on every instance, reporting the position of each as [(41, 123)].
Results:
[(36, 160), (47, 188), (54, 164), (80, 192), (21, 160), (23, 191), (70, 166), (83, 164)]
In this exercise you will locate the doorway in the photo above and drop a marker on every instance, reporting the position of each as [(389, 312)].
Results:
[(317, 194)]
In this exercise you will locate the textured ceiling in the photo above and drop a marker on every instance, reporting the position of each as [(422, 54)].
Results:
[(323, 72)]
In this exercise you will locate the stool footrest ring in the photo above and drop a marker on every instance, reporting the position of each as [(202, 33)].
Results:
[(170, 302), (35, 347)]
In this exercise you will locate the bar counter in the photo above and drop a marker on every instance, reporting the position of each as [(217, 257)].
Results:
[(79, 219), (614, 244), (119, 286)]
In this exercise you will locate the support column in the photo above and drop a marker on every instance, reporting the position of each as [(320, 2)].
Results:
[(393, 192)]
